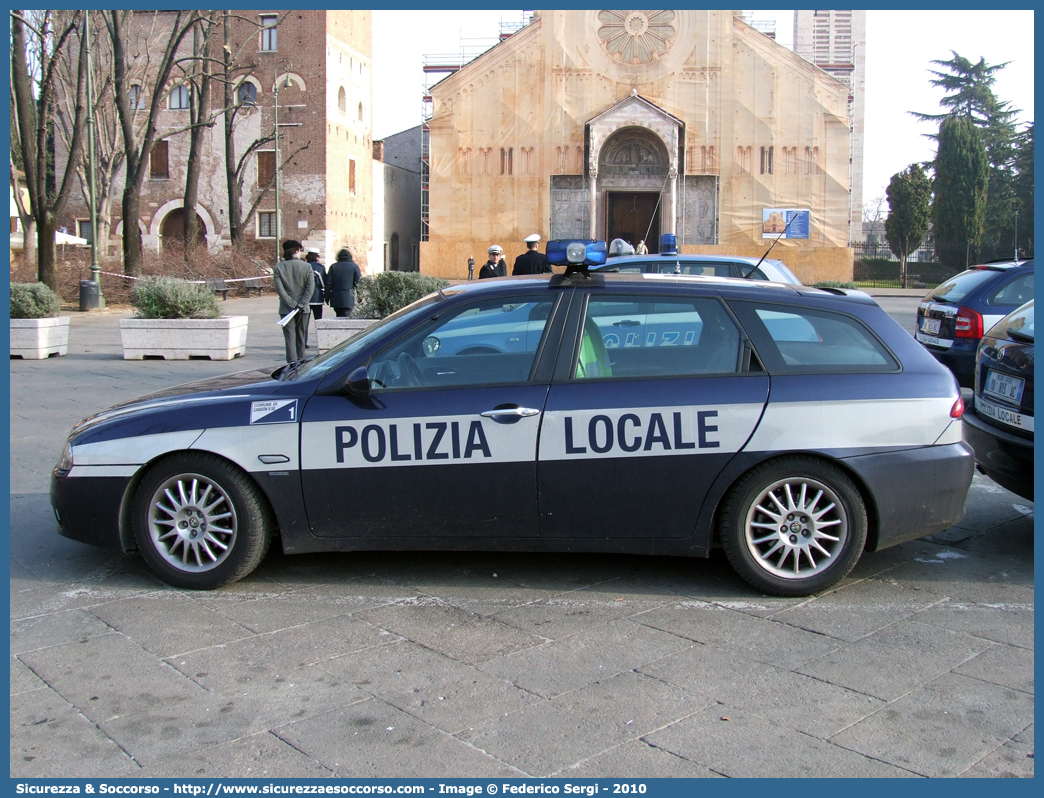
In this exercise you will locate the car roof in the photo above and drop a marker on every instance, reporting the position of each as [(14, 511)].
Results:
[(1002, 265), (687, 258), (763, 288)]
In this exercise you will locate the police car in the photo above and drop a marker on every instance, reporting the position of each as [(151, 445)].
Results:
[(651, 414), (621, 259)]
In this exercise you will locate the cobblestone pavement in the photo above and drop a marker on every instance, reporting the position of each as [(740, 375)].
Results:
[(918, 664)]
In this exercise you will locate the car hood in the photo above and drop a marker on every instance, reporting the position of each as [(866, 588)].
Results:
[(239, 385)]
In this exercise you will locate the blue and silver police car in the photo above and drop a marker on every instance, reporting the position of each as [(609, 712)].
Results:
[(655, 414)]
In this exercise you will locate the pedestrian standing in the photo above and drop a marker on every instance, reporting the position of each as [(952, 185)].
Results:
[(532, 261), (294, 284), (471, 269), (641, 249), (494, 265), (341, 280), (319, 294)]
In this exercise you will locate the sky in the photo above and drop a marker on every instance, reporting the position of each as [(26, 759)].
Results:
[(899, 50)]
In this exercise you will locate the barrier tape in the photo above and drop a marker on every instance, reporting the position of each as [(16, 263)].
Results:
[(198, 282)]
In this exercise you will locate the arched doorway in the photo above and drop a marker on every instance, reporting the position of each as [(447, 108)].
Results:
[(632, 170), (172, 231)]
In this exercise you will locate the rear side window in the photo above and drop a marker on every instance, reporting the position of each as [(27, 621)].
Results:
[(1013, 293), (636, 338), (801, 339)]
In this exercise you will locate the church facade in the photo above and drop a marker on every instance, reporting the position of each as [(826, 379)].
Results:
[(629, 124)]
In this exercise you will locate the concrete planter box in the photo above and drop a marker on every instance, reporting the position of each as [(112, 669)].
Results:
[(223, 338), (332, 331), (39, 339)]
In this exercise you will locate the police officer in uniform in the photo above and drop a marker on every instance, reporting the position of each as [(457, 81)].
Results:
[(532, 261), (494, 265)]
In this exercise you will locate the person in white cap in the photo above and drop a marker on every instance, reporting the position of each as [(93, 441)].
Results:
[(494, 265), (532, 261)]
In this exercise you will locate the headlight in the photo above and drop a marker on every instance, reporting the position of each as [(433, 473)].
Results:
[(65, 462)]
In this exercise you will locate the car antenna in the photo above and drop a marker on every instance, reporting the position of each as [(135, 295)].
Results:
[(767, 251)]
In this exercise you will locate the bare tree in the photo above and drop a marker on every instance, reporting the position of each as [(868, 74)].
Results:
[(38, 44), (138, 144), (234, 112), (199, 82), (108, 143)]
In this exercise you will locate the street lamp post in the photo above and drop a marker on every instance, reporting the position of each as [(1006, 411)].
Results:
[(95, 267), (278, 169)]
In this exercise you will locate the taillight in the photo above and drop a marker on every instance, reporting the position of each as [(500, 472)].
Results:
[(969, 324), (958, 408)]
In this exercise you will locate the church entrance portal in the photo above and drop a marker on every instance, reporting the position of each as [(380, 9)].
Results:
[(633, 216)]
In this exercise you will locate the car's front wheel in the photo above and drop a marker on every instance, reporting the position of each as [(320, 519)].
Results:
[(200, 522), (794, 526)]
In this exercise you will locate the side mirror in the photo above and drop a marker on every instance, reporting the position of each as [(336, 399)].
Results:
[(358, 382)]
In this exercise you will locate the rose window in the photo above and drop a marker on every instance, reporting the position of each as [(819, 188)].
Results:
[(636, 37)]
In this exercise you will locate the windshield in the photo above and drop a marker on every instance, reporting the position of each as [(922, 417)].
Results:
[(1019, 324), (346, 350), (959, 286)]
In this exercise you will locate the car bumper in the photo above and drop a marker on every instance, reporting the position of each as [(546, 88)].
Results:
[(88, 509), (916, 492), (1004, 457)]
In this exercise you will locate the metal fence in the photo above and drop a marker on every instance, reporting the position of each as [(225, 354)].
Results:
[(877, 267)]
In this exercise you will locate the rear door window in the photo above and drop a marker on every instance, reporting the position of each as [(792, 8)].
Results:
[(799, 339)]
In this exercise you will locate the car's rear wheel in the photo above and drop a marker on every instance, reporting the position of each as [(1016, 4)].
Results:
[(200, 522), (794, 526)]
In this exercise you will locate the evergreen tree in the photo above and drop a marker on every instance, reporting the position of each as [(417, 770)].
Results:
[(969, 94), (959, 209), (909, 211), (1024, 192)]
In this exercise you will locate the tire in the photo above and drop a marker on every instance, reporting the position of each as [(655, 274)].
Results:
[(793, 526), (200, 522)]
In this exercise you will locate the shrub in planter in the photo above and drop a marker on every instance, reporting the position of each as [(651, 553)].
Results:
[(177, 320), (171, 298), (384, 293), (34, 301), (37, 331)]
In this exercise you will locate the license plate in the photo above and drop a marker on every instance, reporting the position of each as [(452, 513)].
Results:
[(1003, 415), (944, 343), (1004, 386), (930, 326)]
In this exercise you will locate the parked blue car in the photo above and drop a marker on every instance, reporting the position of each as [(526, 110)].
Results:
[(999, 425), (952, 319)]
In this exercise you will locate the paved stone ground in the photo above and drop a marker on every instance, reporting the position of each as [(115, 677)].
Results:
[(919, 664)]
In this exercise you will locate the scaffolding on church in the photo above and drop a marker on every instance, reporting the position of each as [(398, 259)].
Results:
[(436, 68)]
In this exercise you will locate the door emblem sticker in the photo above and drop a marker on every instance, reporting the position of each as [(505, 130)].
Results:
[(274, 411)]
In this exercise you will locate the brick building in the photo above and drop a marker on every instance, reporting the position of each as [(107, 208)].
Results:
[(322, 60)]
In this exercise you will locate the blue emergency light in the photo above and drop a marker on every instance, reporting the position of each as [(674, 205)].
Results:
[(668, 244), (576, 251)]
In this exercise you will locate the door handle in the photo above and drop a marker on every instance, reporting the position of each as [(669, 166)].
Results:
[(509, 415)]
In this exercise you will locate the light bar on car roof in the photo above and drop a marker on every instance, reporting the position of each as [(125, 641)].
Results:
[(575, 251)]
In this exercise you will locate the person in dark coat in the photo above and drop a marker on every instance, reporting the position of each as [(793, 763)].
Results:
[(532, 261), (494, 265), (341, 280), (294, 284), (319, 294)]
